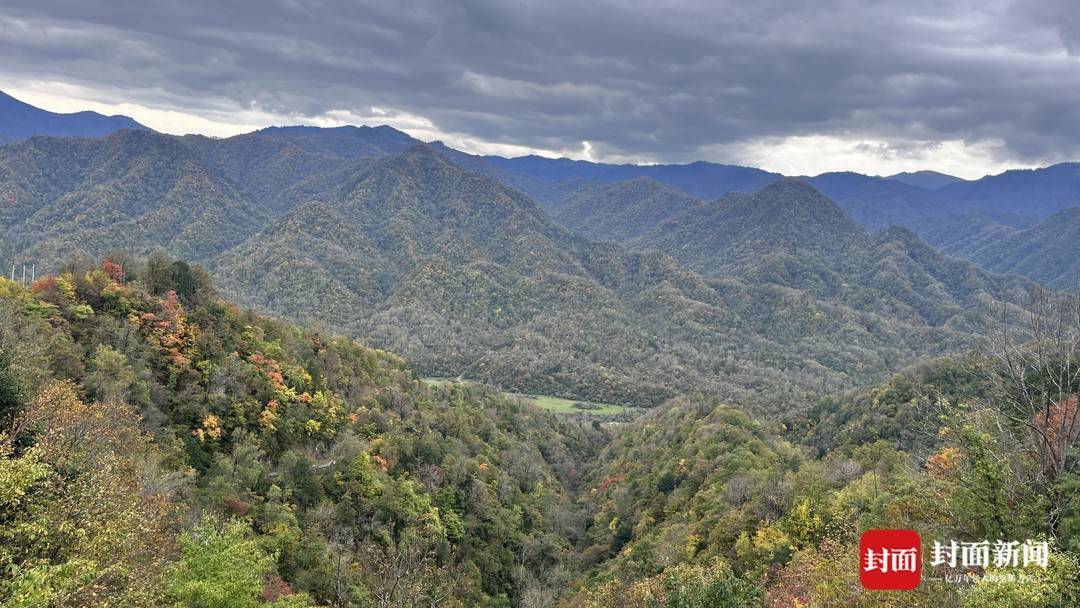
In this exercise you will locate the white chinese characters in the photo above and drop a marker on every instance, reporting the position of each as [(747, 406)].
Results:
[(887, 560), (983, 554)]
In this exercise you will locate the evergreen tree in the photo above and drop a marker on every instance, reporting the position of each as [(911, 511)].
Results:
[(11, 393)]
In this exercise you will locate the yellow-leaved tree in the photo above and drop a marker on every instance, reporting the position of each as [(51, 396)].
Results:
[(85, 514)]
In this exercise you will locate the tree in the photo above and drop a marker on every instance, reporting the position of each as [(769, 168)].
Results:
[(83, 521), (110, 377), (222, 565), (11, 392), (405, 572), (1036, 377), (159, 273), (680, 586)]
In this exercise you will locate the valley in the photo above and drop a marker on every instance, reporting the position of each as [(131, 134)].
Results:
[(341, 367), (369, 232), (601, 411)]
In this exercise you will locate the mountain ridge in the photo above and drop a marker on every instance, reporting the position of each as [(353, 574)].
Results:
[(20, 120), (622, 210), (465, 275), (930, 180)]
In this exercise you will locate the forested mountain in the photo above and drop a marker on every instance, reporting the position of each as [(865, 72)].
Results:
[(1036, 193), (282, 167), (877, 202), (696, 490), (929, 180), (946, 211), (701, 179), (347, 141), (162, 447), (465, 276), (790, 235), (306, 468), (621, 211), (736, 235), (1013, 198), (134, 190), (19, 121), (194, 196), (1048, 252), (546, 178)]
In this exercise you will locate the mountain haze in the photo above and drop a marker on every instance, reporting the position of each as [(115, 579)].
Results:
[(19, 121), (1048, 252), (622, 210), (466, 276), (930, 180), (135, 190)]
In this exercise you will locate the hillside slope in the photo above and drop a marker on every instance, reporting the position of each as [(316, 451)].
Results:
[(1048, 252), (133, 190), (621, 211), (155, 406), (465, 276)]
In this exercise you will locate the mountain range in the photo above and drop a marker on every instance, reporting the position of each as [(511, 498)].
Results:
[(619, 283), (929, 180), (371, 232), (616, 202), (19, 120)]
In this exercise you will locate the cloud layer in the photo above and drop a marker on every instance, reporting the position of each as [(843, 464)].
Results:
[(967, 84)]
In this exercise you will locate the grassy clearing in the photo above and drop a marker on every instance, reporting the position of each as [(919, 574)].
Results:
[(555, 404), (570, 406)]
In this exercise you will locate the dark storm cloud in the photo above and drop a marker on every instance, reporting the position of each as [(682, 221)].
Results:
[(652, 79)]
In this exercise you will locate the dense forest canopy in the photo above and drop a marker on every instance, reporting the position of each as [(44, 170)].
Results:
[(364, 232), (314, 468), (279, 369), (161, 446)]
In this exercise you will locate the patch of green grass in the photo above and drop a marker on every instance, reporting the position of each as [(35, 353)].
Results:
[(555, 404), (571, 406)]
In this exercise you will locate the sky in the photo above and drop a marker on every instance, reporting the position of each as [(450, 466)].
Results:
[(875, 86)]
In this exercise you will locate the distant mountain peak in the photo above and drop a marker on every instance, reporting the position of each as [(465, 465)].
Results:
[(423, 156), (343, 129), (347, 141), (793, 185), (793, 197), (928, 180), (20, 120), (735, 235)]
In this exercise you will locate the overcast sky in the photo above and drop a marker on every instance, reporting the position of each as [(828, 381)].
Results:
[(963, 86)]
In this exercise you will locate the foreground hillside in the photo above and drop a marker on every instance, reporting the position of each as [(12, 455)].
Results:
[(138, 412), (696, 493), (161, 447)]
